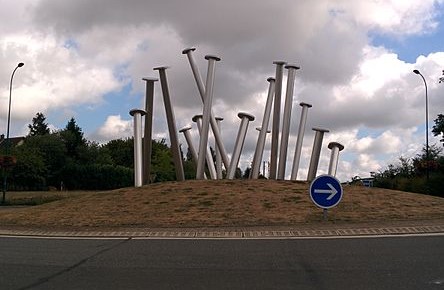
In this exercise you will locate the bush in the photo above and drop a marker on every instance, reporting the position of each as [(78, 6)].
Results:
[(96, 176)]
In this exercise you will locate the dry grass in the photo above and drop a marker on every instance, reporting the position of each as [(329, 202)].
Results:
[(222, 203)]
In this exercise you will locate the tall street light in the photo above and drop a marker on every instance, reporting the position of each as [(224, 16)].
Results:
[(427, 125), (7, 129)]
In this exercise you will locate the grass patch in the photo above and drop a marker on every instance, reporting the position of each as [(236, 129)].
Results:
[(213, 203)]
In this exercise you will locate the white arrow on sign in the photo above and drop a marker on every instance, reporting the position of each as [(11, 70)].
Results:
[(332, 191)]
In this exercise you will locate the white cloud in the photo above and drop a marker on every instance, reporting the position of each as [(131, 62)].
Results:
[(114, 128), (77, 52)]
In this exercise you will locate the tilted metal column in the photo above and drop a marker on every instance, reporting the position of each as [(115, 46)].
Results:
[(218, 153), (203, 142), (286, 120), (334, 157), (298, 150), (245, 119), (208, 156), (177, 158), (316, 153), (201, 89), (255, 168), (276, 119), (137, 115), (148, 130), (186, 133)]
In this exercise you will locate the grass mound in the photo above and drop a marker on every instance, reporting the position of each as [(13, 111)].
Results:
[(199, 203)]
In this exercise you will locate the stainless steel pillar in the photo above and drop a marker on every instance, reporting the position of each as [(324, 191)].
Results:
[(316, 153), (256, 152), (137, 115), (208, 156), (201, 88), (148, 130), (276, 119), (334, 157), (218, 153), (177, 158), (286, 120), (245, 119), (186, 133), (262, 135), (298, 150), (203, 142)]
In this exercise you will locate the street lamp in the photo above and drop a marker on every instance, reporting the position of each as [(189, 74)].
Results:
[(427, 125), (20, 64)]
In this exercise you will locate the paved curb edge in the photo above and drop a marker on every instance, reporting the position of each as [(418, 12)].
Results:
[(231, 234)]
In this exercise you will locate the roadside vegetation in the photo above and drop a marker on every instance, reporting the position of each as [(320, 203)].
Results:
[(410, 174)]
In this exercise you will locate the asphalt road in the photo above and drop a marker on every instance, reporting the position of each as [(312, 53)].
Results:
[(358, 263)]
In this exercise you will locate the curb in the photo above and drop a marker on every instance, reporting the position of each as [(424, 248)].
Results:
[(244, 233)]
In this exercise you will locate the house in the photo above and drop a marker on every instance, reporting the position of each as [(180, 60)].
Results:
[(14, 141)]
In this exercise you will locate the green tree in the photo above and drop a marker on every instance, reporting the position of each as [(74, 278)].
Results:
[(53, 151), (438, 128), (30, 171), (162, 162), (38, 126), (121, 152), (73, 138)]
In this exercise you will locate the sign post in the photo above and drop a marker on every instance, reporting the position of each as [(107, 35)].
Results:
[(325, 192)]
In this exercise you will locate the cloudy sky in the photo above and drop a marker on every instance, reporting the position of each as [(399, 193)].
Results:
[(86, 59)]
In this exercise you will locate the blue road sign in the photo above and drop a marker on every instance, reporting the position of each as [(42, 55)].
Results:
[(326, 191)]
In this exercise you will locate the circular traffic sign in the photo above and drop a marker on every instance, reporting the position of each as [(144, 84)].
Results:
[(325, 191)]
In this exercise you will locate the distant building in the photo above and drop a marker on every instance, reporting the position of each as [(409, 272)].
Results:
[(366, 181), (14, 141)]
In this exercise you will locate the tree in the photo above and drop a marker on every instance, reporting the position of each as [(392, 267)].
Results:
[(121, 151), (438, 128), (72, 135), (38, 126)]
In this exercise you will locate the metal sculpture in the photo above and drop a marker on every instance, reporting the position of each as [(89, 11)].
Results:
[(148, 129), (276, 119), (137, 115), (245, 119), (316, 153), (334, 157), (208, 100), (177, 158), (286, 120), (301, 131), (208, 156), (201, 89), (255, 168)]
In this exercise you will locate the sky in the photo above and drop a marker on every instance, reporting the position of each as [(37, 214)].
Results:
[(86, 59)]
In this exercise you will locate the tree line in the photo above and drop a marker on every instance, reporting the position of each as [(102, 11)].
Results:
[(64, 159), (410, 174)]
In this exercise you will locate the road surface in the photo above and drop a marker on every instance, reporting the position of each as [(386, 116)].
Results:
[(353, 263)]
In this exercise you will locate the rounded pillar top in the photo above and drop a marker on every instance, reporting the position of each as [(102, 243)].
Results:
[(322, 130), (197, 117), (150, 79), (137, 111), (210, 56), (331, 145), (279, 62), (292, 65), (246, 115), (302, 104), (271, 79), (186, 50), (161, 68), (219, 119), (184, 129)]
